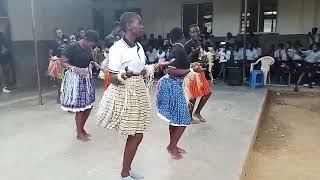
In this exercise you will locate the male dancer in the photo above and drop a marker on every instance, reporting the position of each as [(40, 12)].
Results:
[(202, 89)]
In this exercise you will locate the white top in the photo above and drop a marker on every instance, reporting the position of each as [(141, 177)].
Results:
[(252, 54), (152, 56), (123, 54), (238, 55), (259, 51), (161, 56), (276, 53), (224, 56), (311, 56)]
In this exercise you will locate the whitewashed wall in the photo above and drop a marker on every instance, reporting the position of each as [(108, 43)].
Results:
[(49, 14), (298, 16)]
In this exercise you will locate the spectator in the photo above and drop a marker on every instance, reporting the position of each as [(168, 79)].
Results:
[(251, 53), (314, 37), (160, 42), (144, 41), (114, 36), (313, 55), (59, 44), (161, 54), (167, 40), (152, 42), (208, 39), (230, 39), (72, 38), (151, 55), (238, 52), (5, 64), (278, 53), (81, 33), (258, 48), (224, 56)]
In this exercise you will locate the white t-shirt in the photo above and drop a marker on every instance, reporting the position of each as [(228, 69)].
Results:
[(124, 54)]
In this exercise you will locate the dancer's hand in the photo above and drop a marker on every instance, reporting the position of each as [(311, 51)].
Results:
[(81, 71), (96, 65)]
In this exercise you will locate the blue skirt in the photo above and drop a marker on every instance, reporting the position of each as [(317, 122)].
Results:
[(171, 103), (77, 92)]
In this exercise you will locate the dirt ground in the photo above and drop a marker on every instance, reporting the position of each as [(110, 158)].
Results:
[(288, 142)]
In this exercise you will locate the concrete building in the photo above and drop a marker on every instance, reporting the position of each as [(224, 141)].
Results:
[(277, 21)]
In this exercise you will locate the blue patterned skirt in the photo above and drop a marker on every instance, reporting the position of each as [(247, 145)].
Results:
[(77, 92), (171, 103)]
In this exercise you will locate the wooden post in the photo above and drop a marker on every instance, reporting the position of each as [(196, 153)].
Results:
[(36, 53)]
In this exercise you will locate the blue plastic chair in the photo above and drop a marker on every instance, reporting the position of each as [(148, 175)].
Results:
[(256, 79)]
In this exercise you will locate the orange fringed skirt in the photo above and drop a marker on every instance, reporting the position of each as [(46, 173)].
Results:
[(199, 86), (106, 79)]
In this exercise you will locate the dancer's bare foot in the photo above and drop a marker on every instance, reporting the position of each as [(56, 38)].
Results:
[(87, 134), (182, 151), (194, 121), (83, 137), (174, 152), (199, 117)]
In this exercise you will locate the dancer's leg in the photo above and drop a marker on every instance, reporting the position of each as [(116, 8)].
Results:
[(171, 130), (81, 118), (192, 103), (129, 152), (203, 101), (172, 147)]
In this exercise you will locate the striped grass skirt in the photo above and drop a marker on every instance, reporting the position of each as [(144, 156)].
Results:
[(171, 102), (77, 92), (125, 108), (199, 86)]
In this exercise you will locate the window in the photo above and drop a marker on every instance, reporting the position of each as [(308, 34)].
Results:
[(261, 16), (198, 13), (3, 8)]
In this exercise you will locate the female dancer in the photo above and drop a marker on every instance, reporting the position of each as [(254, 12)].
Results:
[(172, 102), (125, 104), (199, 87), (78, 90)]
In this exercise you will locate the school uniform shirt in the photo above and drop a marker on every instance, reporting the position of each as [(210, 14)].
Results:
[(311, 56), (161, 55), (152, 56), (259, 51), (126, 54), (180, 55), (293, 55), (252, 54), (276, 54), (224, 55), (238, 55), (283, 55)]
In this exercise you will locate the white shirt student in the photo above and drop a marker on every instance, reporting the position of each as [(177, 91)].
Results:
[(152, 55), (161, 54), (238, 54), (224, 55), (252, 54)]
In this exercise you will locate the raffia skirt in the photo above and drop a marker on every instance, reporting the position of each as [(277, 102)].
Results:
[(199, 86), (125, 108)]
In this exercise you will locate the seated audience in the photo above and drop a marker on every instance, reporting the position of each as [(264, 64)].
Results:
[(238, 52), (251, 53)]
